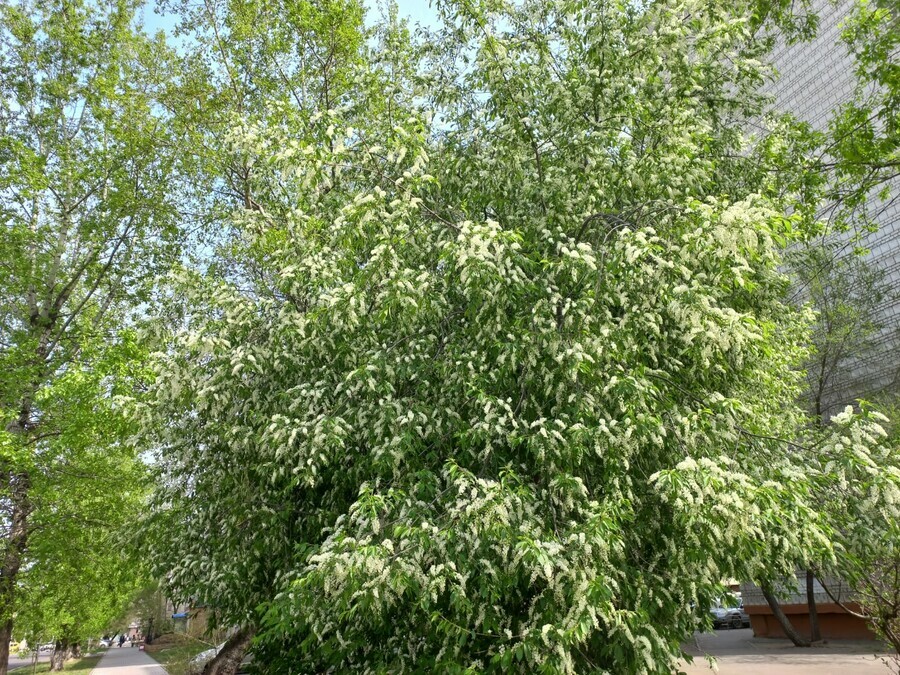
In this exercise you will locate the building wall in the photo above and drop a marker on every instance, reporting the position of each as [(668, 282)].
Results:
[(834, 621), (814, 79)]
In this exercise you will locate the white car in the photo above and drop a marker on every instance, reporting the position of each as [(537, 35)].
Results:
[(731, 617)]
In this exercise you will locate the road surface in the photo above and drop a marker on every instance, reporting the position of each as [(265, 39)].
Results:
[(16, 662)]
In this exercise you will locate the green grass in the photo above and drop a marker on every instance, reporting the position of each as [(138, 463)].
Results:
[(82, 665), (175, 652)]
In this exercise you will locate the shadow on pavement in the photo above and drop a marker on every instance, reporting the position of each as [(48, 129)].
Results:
[(731, 642)]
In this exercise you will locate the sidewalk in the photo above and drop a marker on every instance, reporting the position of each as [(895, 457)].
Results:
[(127, 661), (739, 653)]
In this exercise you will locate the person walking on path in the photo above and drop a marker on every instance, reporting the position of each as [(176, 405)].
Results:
[(127, 662)]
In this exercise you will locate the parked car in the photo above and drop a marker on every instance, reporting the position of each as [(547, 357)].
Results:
[(720, 617), (740, 612), (731, 617), (47, 647), (106, 642)]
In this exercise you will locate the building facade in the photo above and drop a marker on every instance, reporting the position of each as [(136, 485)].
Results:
[(815, 79)]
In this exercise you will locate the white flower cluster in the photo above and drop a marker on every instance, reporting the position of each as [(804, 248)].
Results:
[(496, 396)]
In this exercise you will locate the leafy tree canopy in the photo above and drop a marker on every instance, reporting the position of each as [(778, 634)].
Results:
[(86, 223), (510, 380)]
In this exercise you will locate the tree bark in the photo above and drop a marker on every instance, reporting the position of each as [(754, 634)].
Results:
[(17, 539), (5, 637), (782, 619), (229, 659), (815, 635), (18, 483), (59, 655)]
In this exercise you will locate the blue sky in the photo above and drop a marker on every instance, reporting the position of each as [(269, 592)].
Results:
[(417, 11)]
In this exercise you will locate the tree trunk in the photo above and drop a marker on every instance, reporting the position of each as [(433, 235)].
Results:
[(815, 635), (59, 655), (5, 636), (229, 659), (17, 539), (782, 619)]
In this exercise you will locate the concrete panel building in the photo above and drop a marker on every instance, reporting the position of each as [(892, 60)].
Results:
[(815, 78)]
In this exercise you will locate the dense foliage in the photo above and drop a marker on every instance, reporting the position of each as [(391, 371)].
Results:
[(855, 474), (85, 223), (483, 357), (86, 501), (511, 380)]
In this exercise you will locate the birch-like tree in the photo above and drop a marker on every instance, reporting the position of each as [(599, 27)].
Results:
[(85, 224)]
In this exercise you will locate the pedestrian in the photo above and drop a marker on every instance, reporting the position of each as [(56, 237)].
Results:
[(121, 640)]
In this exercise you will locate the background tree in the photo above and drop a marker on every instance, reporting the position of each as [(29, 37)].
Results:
[(149, 609), (74, 591), (847, 294), (849, 181), (79, 573), (859, 490), (85, 173)]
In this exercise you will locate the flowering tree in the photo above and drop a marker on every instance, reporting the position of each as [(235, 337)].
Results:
[(856, 476), (509, 381)]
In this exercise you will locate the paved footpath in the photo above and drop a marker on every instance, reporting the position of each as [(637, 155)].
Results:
[(127, 661), (737, 652)]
